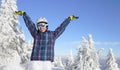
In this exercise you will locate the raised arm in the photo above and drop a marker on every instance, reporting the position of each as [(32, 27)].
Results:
[(30, 25), (58, 31)]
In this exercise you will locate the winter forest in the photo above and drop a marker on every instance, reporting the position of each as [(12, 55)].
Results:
[(15, 50)]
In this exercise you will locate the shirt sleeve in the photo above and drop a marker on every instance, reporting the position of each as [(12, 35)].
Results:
[(30, 25), (59, 30)]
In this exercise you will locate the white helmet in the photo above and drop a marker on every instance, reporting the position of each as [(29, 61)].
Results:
[(42, 19)]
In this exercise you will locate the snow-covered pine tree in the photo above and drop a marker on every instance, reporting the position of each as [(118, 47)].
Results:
[(111, 62), (28, 50), (87, 57), (58, 63), (69, 61), (12, 39)]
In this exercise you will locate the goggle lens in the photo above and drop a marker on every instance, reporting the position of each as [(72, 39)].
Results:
[(42, 25)]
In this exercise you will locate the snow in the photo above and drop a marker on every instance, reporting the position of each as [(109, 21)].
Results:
[(111, 62), (56, 68), (8, 30), (11, 67), (15, 51), (87, 57)]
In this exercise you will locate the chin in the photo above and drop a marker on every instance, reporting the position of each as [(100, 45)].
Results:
[(42, 30)]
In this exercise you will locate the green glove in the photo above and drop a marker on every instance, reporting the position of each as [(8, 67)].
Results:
[(20, 13), (72, 17)]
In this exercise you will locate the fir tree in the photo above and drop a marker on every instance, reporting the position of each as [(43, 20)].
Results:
[(111, 62), (69, 62), (87, 57), (12, 38)]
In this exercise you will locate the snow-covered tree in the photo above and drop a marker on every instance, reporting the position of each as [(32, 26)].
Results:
[(111, 62), (27, 51), (58, 63), (87, 57), (69, 62), (12, 38)]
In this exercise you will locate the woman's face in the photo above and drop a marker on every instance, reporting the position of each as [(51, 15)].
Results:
[(42, 27)]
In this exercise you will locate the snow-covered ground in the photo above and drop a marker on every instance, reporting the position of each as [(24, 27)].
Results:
[(19, 67), (22, 67), (11, 67)]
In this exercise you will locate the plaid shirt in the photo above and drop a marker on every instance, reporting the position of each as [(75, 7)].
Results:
[(43, 47)]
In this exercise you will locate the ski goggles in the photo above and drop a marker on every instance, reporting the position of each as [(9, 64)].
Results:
[(42, 25)]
